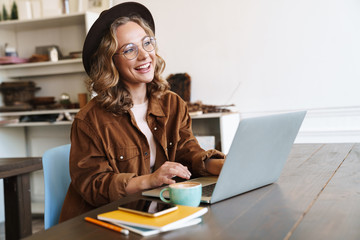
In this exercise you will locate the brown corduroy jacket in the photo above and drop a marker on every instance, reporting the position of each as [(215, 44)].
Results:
[(108, 150)]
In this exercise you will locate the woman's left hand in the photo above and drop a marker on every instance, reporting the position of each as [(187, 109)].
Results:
[(213, 166)]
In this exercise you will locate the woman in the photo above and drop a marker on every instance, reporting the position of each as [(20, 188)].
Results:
[(135, 134)]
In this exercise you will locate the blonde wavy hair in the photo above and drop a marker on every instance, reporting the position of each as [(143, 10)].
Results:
[(105, 80)]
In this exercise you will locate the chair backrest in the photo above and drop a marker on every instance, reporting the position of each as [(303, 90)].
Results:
[(56, 180)]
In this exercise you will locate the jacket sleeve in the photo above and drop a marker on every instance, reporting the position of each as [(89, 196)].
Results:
[(93, 173), (189, 152)]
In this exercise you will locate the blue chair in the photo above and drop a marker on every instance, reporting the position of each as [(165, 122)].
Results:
[(57, 180)]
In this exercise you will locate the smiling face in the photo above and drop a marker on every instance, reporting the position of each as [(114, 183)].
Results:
[(140, 70)]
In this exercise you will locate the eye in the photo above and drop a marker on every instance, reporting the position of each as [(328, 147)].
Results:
[(147, 42), (129, 49)]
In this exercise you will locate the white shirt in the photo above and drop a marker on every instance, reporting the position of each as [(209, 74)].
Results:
[(139, 111)]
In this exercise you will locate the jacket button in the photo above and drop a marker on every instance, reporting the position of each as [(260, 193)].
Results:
[(170, 143), (121, 157), (155, 128), (146, 153)]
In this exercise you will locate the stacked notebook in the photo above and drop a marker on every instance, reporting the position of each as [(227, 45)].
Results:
[(184, 216)]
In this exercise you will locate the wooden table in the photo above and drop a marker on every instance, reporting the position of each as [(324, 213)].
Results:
[(316, 197), (16, 175)]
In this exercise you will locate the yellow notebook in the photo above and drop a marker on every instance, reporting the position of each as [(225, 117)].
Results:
[(163, 223)]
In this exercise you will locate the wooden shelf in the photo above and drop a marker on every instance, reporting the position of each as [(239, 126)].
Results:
[(25, 70), (196, 115), (37, 112), (37, 124), (50, 22), (9, 116)]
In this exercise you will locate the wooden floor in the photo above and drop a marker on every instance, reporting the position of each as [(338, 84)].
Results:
[(37, 225)]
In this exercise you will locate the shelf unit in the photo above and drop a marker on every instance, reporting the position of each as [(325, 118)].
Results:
[(220, 125), (24, 35), (54, 78), (66, 31)]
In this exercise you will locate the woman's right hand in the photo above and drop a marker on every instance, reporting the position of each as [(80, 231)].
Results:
[(161, 176), (166, 172)]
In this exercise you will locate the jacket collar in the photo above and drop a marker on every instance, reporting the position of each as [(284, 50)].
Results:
[(155, 107)]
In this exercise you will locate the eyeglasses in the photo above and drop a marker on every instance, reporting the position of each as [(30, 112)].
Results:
[(131, 50)]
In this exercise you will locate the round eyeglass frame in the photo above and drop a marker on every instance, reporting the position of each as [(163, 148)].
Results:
[(135, 49)]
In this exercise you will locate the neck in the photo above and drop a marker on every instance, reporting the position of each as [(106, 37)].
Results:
[(138, 95)]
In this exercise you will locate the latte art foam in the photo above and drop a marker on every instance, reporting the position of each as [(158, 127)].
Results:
[(184, 185)]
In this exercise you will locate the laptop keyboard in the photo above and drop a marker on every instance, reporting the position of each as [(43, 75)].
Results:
[(208, 190)]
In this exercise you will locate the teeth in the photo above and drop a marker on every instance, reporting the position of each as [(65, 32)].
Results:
[(144, 66)]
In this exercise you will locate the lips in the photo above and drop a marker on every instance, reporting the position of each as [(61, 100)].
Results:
[(143, 67)]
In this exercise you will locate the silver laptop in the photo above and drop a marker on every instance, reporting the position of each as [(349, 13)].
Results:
[(256, 157)]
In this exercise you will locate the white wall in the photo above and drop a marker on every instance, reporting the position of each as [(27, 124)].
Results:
[(267, 56)]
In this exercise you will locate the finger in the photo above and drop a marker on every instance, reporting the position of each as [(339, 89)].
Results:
[(182, 168), (172, 169), (185, 171), (166, 180), (179, 172)]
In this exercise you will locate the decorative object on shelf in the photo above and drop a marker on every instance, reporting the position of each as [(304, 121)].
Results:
[(46, 53), (180, 83), (77, 54), (5, 15), (73, 55), (39, 58), (10, 51), (39, 118), (53, 54), (83, 98), (14, 11), (17, 92), (18, 95), (41, 101), (203, 108), (52, 51), (65, 100), (65, 7), (12, 60), (65, 116)]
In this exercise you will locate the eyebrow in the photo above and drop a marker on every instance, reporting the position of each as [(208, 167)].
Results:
[(142, 39)]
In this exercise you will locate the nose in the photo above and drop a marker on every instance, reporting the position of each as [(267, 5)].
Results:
[(142, 54)]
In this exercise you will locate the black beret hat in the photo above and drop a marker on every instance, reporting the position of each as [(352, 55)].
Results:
[(103, 23)]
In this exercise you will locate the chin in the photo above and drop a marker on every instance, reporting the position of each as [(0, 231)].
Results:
[(149, 78)]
